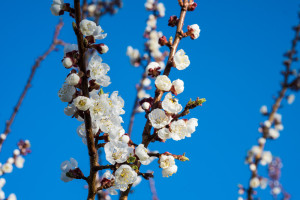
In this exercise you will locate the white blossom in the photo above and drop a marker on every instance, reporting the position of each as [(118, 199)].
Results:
[(117, 152), (142, 154), (273, 133), (291, 98), (151, 22), (146, 106), (133, 54), (56, 7), (124, 176), (2, 182), (161, 9), (164, 134), (181, 60), (19, 162), (66, 92), (73, 79), (89, 28), (152, 66), (254, 182), (142, 94), (195, 30), (146, 82), (171, 104), (67, 62), (169, 171), (149, 4), (159, 119), (178, 86), (179, 130), (191, 126), (163, 83), (263, 110), (276, 190), (125, 139), (266, 158), (70, 110), (7, 168), (167, 163), (82, 103), (65, 167), (2, 195), (98, 70), (12, 197), (137, 182), (109, 176)]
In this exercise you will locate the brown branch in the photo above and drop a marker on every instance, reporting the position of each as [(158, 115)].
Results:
[(54, 44), (158, 94), (97, 168), (93, 155), (276, 105), (153, 189)]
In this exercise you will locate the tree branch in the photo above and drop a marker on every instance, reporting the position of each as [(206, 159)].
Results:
[(93, 155), (37, 63)]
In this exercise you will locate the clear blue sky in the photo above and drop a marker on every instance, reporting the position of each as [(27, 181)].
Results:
[(235, 65)]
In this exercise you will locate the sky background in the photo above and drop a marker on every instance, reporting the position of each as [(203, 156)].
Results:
[(235, 65)]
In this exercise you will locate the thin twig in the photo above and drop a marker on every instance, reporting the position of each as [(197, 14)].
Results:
[(54, 44), (276, 105)]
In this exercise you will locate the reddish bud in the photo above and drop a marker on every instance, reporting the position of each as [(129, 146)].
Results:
[(162, 41), (192, 6), (173, 21)]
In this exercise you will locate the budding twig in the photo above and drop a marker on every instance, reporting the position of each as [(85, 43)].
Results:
[(54, 44), (284, 87)]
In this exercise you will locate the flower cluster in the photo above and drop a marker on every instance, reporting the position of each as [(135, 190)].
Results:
[(101, 112)]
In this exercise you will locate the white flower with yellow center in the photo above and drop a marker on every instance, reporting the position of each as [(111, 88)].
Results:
[(98, 70), (162, 82), (117, 152), (7, 168), (170, 104), (181, 60), (124, 176), (178, 130), (166, 161), (169, 171), (66, 93), (89, 28), (159, 119), (82, 103)]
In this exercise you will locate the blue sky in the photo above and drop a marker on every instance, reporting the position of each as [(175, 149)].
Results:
[(235, 65)]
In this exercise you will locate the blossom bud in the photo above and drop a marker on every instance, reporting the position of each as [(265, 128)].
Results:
[(177, 87), (2, 182), (146, 82), (173, 21), (146, 106), (12, 197), (264, 110), (153, 69), (192, 6), (252, 167), (101, 48), (73, 79), (125, 138), (16, 152), (67, 62), (194, 31), (163, 83), (2, 136), (162, 41)]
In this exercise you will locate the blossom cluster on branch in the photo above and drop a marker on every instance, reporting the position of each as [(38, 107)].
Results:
[(270, 129), (83, 90)]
